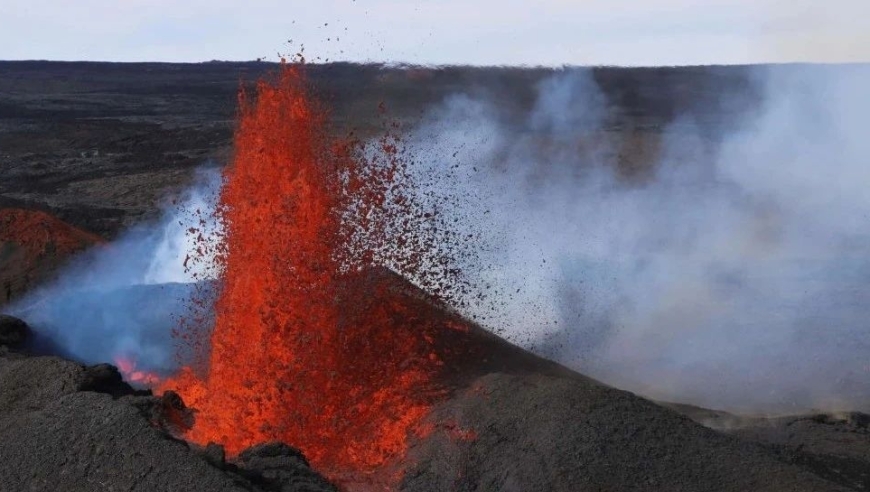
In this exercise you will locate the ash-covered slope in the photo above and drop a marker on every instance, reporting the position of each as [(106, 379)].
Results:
[(835, 446), (508, 420), (535, 432), (513, 421), (64, 426)]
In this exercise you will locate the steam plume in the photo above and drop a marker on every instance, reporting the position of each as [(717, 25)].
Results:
[(123, 300), (732, 274)]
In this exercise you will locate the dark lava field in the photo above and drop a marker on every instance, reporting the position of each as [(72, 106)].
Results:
[(89, 149)]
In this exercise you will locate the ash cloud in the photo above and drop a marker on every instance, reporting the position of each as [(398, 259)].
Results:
[(731, 273), (122, 300)]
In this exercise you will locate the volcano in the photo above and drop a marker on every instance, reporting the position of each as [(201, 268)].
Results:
[(335, 363), (299, 351), (502, 419)]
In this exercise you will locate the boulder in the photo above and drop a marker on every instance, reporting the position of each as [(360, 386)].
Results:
[(13, 331), (280, 467)]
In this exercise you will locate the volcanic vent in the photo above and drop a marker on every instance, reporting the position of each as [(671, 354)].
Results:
[(312, 343)]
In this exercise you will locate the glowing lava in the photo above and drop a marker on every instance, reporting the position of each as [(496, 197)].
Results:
[(32, 245), (309, 346), (127, 367), (39, 234)]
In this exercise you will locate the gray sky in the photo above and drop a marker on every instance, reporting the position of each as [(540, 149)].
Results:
[(546, 32)]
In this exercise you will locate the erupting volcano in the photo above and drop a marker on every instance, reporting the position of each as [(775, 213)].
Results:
[(327, 279), (313, 342)]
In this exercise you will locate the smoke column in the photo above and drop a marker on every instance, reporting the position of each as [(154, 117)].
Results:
[(733, 275), (122, 300)]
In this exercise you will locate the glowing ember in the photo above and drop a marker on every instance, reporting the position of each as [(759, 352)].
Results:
[(310, 345), (127, 367)]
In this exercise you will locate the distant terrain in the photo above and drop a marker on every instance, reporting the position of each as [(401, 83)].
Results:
[(98, 144)]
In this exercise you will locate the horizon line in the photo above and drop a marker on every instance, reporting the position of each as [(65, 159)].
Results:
[(412, 65)]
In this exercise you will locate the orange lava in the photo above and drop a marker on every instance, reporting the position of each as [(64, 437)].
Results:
[(127, 367), (32, 245), (308, 346), (40, 234)]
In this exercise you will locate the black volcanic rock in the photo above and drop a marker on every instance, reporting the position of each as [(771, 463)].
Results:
[(13, 331), (62, 429), (281, 468), (215, 454), (105, 378), (167, 411)]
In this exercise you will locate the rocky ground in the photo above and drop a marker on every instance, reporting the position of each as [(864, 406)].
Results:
[(514, 422), (96, 146), (66, 426)]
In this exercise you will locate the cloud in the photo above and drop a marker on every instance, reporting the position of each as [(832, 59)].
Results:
[(555, 32)]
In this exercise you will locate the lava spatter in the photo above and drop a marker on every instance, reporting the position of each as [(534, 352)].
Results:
[(309, 345)]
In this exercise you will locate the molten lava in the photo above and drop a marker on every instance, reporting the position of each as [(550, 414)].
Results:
[(33, 244), (131, 373), (310, 345), (39, 234)]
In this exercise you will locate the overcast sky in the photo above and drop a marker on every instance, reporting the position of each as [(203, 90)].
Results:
[(489, 32)]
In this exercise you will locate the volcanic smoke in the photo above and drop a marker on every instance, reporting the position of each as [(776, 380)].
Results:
[(729, 273)]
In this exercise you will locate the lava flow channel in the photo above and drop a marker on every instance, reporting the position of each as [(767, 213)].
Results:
[(300, 351)]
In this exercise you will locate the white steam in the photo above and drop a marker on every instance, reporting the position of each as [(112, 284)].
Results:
[(122, 300), (734, 275)]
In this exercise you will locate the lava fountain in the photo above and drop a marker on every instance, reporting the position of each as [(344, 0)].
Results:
[(310, 346)]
